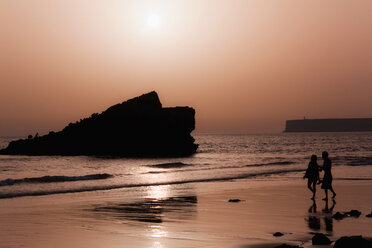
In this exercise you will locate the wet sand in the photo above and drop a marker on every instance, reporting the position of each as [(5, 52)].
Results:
[(187, 215)]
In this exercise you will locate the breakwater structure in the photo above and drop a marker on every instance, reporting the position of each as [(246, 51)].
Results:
[(329, 125)]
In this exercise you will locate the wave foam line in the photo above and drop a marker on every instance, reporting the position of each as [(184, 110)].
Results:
[(53, 179), (271, 163), (110, 187), (223, 167), (354, 178)]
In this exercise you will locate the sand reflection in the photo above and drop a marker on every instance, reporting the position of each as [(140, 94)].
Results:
[(158, 232), (153, 210), (314, 217), (157, 244), (158, 192)]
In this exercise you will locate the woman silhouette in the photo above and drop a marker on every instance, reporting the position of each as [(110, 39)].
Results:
[(312, 175), (327, 179)]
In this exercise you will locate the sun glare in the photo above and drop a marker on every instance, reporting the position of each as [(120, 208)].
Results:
[(158, 192), (153, 21)]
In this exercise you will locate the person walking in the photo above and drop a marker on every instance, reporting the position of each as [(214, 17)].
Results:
[(327, 178), (312, 174)]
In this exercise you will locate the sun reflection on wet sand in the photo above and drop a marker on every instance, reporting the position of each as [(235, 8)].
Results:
[(158, 232), (158, 192), (156, 244)]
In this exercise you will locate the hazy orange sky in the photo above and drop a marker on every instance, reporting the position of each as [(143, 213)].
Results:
[(245, 66)]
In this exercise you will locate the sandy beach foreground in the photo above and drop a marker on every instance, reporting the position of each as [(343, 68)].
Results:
[(187, 215)]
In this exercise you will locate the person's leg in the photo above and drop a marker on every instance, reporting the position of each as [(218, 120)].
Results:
[(326, 194), (309, 185), (314, 189), (333, 192)]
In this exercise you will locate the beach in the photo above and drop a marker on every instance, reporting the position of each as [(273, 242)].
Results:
[(189, 215), (86, 201)]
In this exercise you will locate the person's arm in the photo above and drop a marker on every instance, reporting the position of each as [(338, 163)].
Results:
[(307, 172)]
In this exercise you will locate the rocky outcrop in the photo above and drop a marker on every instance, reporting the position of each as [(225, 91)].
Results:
[(287, 246), (139, 127), (353, 241), (320, 239), (352, 213), (338, 216), (278, 234)]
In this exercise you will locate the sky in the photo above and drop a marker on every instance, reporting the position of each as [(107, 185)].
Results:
[(246, 66)]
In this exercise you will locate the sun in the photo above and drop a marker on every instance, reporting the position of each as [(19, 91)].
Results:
[(153, 20)]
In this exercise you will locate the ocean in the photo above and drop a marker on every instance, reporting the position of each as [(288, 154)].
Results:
[(220, 158)]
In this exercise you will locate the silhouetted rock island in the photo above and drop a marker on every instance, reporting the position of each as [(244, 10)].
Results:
[(139, 127)]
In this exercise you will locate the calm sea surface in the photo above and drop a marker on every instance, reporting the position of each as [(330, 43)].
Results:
[(219, 158)]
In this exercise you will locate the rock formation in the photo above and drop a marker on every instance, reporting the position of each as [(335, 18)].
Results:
[(353, 241), (139, 127), (287, 246), (320, 239), (278, 234), (352, 213)]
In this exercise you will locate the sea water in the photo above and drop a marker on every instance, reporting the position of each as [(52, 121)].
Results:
[(219, 158)]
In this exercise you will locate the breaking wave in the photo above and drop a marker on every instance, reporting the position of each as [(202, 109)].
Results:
[(363, 161), (110, 187), (180, 165), (54, 179), (271, 163), (353, 160), (170, 165)]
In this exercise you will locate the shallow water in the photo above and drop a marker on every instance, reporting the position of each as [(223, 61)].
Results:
[(219, 158)]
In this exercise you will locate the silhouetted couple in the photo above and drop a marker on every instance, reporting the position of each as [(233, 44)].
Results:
[(312, 175)]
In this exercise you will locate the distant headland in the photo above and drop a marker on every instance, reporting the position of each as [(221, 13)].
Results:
[(329, 125), (139, 127)]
